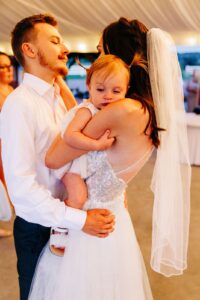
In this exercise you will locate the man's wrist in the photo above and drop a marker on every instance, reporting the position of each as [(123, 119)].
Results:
[(74, 218)]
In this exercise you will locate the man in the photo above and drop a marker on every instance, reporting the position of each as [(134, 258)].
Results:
[(30, 121)]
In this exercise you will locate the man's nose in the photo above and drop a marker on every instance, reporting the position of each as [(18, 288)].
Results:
[(65, 49)]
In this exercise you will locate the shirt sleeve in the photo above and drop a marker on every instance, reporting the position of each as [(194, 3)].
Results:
[(32, 201)]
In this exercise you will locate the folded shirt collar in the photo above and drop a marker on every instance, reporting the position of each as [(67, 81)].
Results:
[(39, 85)]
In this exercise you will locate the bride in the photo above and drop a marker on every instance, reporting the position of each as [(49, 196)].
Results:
[(112, 268)]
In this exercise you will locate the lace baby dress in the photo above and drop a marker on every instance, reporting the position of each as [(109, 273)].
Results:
[(93, 268)]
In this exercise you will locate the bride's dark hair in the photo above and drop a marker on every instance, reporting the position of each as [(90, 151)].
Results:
[(128, 40)]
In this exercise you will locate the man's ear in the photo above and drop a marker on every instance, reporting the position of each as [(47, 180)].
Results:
[(29, 50)]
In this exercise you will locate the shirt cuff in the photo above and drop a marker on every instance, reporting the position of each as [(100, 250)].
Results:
[(74, 218)]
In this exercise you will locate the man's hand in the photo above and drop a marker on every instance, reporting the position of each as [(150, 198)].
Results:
[(99, 222)]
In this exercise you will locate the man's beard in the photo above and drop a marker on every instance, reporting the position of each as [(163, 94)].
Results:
[(43, 62)]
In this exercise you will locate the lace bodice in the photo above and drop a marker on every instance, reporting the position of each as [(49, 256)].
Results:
[(105, 189)]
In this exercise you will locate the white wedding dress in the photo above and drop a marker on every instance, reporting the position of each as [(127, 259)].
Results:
[(95, 268)]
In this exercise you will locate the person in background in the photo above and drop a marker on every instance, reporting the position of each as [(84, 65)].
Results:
[(193, 91), (6, 78)]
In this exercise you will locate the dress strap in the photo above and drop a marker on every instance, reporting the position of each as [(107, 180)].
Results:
[(86, 103), (133, 166)]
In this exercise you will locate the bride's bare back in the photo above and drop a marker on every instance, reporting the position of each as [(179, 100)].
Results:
[(126, 120)]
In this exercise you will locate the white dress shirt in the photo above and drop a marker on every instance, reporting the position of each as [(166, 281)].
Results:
[(30, 120)]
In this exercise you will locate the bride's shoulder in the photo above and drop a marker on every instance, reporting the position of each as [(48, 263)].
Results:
[(126, 107)]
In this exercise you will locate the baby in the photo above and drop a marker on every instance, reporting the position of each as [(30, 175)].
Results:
[(107, 81)]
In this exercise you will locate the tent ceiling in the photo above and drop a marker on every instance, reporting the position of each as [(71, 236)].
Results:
[(81, 21)]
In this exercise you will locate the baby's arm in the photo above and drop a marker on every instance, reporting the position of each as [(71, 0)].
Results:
[(74, 137), (61, 153)]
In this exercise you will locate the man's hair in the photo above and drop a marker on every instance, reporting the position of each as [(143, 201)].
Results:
[(24, 31)]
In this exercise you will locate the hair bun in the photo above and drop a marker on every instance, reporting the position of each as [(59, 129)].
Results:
[(125, 25)]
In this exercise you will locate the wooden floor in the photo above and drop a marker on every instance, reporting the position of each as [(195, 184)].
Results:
[(185, 287)]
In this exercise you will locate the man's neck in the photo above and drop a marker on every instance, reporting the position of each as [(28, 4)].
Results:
[(43, 74)]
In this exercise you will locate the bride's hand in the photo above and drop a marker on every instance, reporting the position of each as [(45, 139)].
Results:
[(99, 222), (65, 92)]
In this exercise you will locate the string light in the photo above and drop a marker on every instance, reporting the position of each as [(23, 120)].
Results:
[(192, 40), (82, 47)]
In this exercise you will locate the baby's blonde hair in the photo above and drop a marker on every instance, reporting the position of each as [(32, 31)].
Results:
[(109, 65)]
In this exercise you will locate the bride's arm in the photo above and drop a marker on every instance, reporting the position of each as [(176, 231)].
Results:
[(107, 119), (66, 94)]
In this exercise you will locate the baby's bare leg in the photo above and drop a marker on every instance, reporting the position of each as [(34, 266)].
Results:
[(77, 195), (76, 189)]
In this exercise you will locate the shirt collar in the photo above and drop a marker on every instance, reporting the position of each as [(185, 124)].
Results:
[(39, 85), (47, 91)]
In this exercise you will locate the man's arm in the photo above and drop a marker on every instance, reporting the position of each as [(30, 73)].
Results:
[(32, 201)]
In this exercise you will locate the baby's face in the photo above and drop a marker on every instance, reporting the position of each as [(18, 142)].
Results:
[(104, 91)]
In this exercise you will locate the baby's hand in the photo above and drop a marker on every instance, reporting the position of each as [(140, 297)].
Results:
[(105, 142)]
